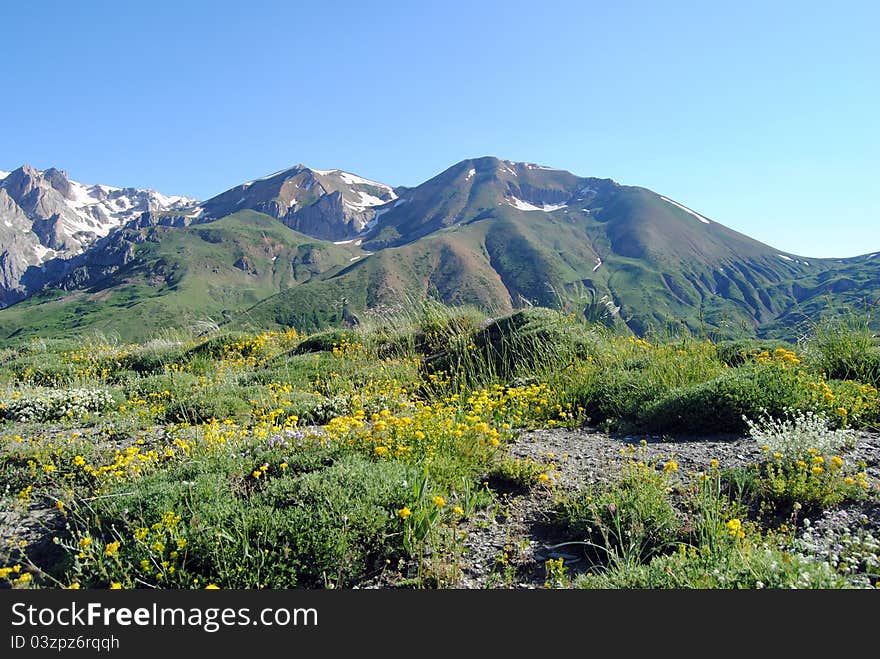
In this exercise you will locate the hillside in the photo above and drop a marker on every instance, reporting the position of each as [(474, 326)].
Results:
[(487, 232), (504, 235), (176, 277)]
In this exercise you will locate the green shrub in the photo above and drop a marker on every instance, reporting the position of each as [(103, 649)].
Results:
[(344, 518), (221, 345), (206, 405), (323, 341), (748, 566), (619, 395), (44, 369), (177, 385), (630, 521), (516, 475), (843, 347), (212, 522), (153, 357), (720, 404), (738, 352), (527, 343)]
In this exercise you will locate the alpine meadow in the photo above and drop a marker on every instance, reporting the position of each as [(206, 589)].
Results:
[(508, 376)]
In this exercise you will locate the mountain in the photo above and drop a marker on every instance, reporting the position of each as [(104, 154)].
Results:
[(44, 215), (139, 281), (502, 235), (328, 204), (486, 231)]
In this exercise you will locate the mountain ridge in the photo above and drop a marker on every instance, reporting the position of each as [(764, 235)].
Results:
[(490, 232), (45, 215)]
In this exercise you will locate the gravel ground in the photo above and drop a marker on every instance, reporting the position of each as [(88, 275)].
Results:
[(522, 535)]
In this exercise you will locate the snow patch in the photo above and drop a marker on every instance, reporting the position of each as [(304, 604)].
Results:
[(783, 256), (168, 201), (3, 175), (44, 253), (240, 201), (93, 211), (353, 179), (368, 200), (686, 210), (598, 264), (519, 204), (400, 202), (343, 242), (871, 256), (470, 174), (79, 194), (354, 258)]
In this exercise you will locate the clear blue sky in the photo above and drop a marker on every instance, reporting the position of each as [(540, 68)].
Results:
[(764, 116)]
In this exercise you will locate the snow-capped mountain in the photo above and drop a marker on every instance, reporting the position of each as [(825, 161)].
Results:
[(44, 215), (329, 204)]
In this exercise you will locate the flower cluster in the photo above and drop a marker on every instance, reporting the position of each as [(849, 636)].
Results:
[(52, 405)]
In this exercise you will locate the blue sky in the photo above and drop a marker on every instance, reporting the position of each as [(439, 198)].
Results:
[(760, 115)]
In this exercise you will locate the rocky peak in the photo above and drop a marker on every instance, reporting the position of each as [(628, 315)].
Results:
[(45, 216), (58, 180)]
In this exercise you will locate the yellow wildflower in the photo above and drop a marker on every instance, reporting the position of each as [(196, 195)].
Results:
[(734, 528), (24, 579)]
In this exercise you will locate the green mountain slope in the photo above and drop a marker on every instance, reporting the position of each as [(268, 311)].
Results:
[(503, 235), (488, 232), (179, 276)]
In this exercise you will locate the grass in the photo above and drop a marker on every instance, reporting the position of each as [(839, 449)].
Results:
[(278, 459)]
